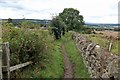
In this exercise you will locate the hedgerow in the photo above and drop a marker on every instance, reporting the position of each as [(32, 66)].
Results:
[(26, 44)]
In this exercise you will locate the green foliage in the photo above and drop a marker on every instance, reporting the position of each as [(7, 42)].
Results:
[(100, 40), (99, 29), (26, 44), (51, 65), (54, 67), (27, 24), (72, 18), (80, 70), (85, 30), (117, 29), (58, 27), (115, 47), (7, 24), (10, 20), (69, 19)]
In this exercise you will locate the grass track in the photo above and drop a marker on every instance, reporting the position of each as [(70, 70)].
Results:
[(53, 66), (80, 70)]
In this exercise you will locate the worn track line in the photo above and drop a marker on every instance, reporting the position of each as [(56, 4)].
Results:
[(68, 69)]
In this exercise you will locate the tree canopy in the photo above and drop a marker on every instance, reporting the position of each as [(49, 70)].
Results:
[(69, 19), (72, 18), (10, 20)]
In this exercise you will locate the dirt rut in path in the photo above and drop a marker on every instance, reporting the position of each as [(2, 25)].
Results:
[(68, 69)]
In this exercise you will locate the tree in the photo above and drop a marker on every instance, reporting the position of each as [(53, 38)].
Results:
[(58, 27), (10, 20), (72, 18)]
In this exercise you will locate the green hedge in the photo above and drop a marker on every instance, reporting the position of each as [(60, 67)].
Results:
[(26, 44)]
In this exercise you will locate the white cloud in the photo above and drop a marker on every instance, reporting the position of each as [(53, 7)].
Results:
[(100, 11)]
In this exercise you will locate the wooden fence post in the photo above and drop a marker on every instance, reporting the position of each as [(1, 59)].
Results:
[(110, 46), (0, 64), (7, 73), (0, 49)]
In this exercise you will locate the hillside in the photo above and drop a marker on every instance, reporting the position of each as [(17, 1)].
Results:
[(16, 21)]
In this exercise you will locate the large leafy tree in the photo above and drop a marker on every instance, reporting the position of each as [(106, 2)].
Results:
[(72, 18)]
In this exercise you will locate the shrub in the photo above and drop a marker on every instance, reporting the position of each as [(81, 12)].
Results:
[(26, 44)]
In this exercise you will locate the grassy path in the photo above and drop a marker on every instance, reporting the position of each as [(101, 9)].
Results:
[(79, 68), (65, 63), (68, 70)]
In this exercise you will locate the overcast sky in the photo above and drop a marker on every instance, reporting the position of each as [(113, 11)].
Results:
[(95, 11)]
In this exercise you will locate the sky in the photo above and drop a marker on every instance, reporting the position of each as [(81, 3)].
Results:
[(93, 11)]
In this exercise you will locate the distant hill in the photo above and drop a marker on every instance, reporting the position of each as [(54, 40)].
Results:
[(32, 20), (102, 25)]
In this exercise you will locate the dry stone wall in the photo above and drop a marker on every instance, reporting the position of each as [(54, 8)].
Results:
[(100, 62)]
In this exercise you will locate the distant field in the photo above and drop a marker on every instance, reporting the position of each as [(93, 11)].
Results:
[(103, 39), (108, 33)]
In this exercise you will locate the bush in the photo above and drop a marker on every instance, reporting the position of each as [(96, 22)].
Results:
[(117, 29), (58, 27), (26, 44)]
